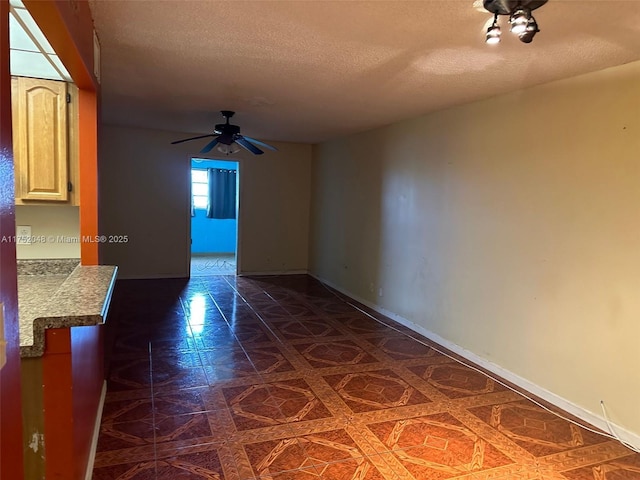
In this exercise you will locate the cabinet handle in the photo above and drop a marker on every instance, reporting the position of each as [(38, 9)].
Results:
[(69, 187)]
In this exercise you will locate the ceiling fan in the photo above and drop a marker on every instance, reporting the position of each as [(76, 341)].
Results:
[(226, 135)]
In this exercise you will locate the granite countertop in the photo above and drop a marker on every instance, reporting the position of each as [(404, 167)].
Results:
[(47, 266), (58, 301)]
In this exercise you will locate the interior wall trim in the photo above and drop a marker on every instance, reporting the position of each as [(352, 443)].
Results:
[(598, 421), (278, 272)]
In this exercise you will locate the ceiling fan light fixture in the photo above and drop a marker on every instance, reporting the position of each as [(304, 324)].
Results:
[(228, 140), (519, 19), (227, 149), (530, 31), (493, 32)]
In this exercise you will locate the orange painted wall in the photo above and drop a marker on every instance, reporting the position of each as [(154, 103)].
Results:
[(10, 397), (87, 373), (88, 139), (58, 404), (73, 374)]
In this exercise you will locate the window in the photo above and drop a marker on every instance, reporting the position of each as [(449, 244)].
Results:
[(200, 188)]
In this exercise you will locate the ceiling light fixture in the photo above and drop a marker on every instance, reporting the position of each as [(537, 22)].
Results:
[(494, 32), (521, 20), (227, 149), (530, 31)]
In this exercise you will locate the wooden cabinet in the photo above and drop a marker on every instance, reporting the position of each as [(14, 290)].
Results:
[(44, 141)]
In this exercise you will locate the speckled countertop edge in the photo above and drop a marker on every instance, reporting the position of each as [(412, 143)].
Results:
[(49, 266), (83, 299)]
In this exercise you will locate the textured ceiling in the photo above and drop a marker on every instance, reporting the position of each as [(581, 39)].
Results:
[(307, 71)]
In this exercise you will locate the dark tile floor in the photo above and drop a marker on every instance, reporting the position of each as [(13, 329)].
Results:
[(277, 378)]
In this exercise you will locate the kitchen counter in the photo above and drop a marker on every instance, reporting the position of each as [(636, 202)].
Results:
[(58, 301)]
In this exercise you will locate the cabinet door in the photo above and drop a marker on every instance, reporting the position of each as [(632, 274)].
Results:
[(40, 139)]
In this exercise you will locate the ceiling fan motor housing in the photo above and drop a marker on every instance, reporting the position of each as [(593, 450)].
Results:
[(227, 128), (505, 7)]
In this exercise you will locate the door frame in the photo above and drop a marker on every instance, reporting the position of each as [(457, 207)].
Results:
[(238, 163)]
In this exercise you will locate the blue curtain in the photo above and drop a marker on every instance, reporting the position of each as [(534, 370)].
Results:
[(222, 193)]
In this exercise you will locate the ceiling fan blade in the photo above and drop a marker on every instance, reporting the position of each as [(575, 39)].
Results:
[(240, 140), (209, 146), (266, 145), (192, 138)]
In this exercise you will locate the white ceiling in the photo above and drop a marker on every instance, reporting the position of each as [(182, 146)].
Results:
[(31, 54), (307, 71)]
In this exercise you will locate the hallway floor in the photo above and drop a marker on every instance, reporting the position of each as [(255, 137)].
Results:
[(278, 378), (205, 265)]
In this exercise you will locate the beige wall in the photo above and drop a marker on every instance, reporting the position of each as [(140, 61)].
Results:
[(55, 230), (144, 193), (509, 228)]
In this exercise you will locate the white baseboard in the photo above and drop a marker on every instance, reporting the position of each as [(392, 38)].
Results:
[(154, 276), (630, 438), (96, 433), (180, 277), (279, 272)]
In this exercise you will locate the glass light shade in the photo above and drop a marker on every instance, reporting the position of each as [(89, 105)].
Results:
[(519, 20), (493, 35), (227, 149), (530, 31)]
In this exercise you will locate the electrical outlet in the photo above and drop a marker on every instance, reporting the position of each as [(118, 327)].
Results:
[(23, 234)]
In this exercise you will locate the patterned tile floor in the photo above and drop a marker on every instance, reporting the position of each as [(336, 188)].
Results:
[(277, 378)]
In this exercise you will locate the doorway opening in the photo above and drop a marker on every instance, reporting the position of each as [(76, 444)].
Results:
[(214, 217)]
